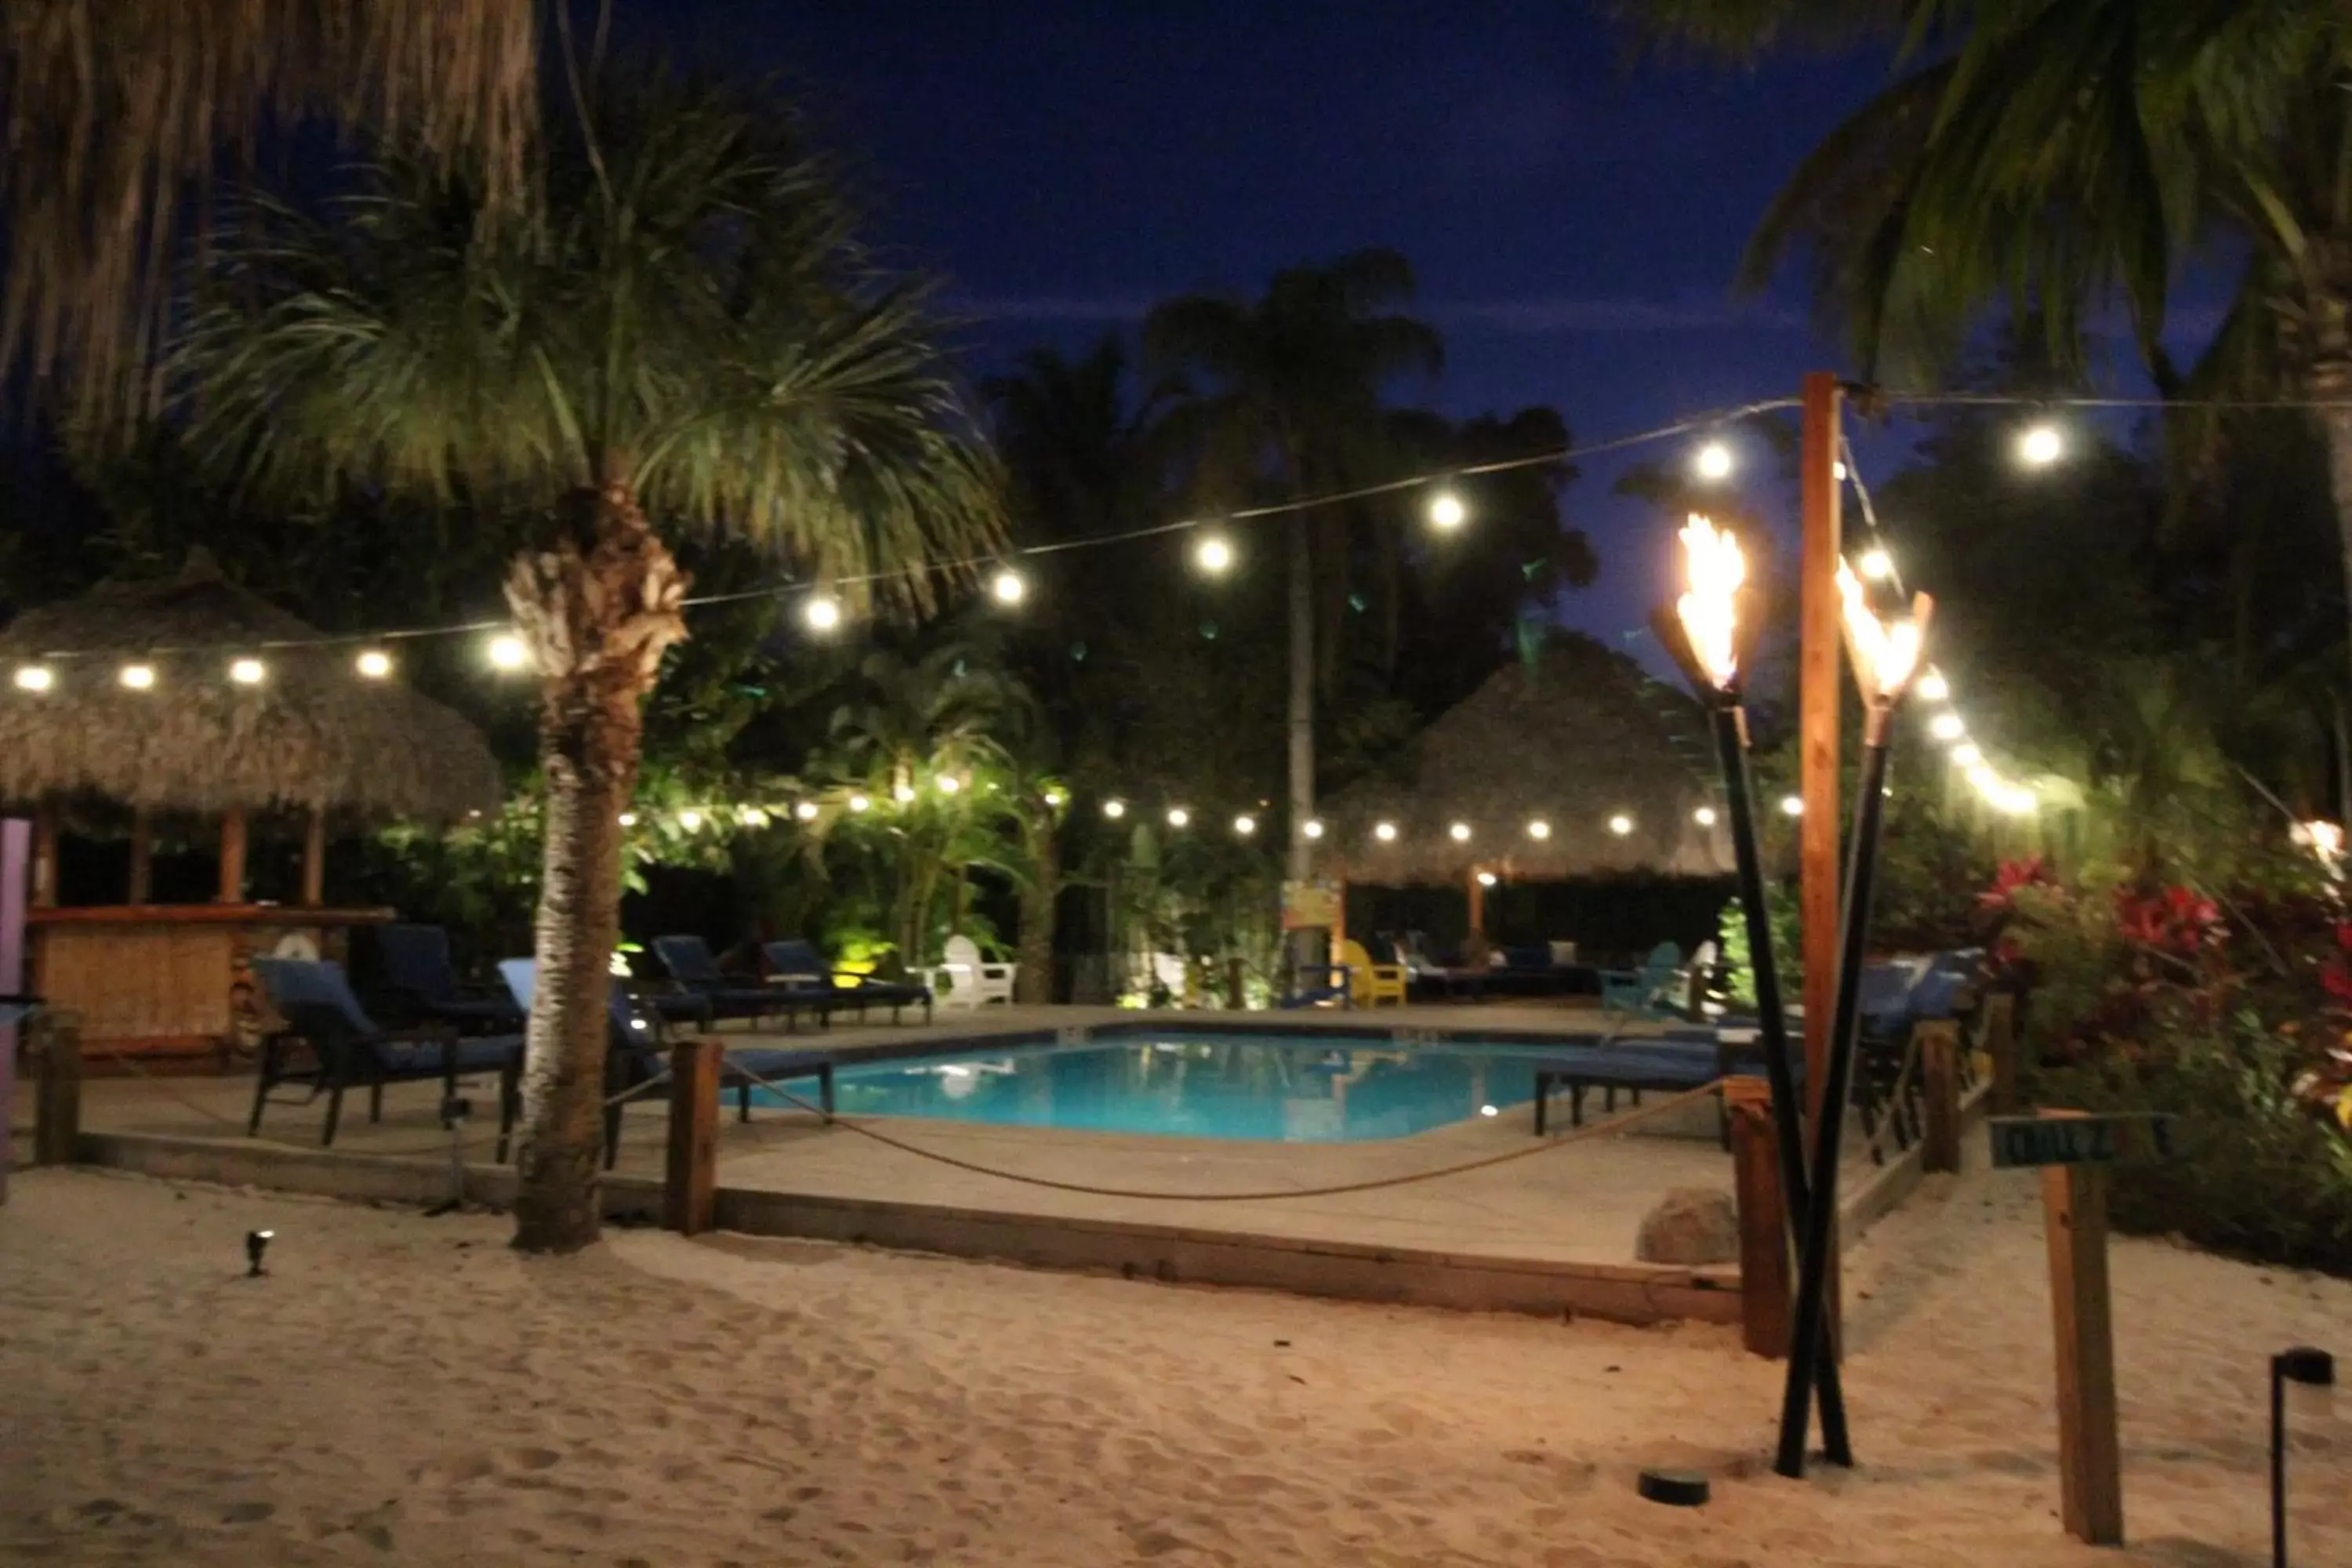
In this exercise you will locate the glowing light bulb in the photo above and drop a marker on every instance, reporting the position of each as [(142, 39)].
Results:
[(1968, 753), (1837, 470), (1214, 555), (1485, 878), (1621, 825), (1446, 512), (1792, 805), (628, 819), (1934, 687), (508, 652), (823, 612), (752, 816), (1054, 799), (1714, 461), (1459, 833), (904, 795), (1490, 1110), (1385, 832), (1245, 825), (1114, 809), (1311, 828), (950, 783), (1947, 726), (1703, 817), (1877, 565), (137, 676), (806, 811), (1179, 817), (690, 820), (34, 678), (373, 664), (1008, 587), (247, 671), (1540, 830), (2040, 446), (858, 802)]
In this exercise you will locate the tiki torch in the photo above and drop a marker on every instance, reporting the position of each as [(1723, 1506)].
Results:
[(1711, 633), (1884, 656)]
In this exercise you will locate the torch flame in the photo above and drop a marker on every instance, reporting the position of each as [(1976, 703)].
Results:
[(1714, 568), (1885, 654)]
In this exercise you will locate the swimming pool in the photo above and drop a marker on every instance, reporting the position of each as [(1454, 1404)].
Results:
[(1320, 1089)]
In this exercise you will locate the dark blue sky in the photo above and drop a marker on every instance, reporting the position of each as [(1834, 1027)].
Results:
[(1574, 214)]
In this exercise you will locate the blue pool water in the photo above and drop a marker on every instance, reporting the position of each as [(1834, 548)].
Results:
[(1316, 1090)]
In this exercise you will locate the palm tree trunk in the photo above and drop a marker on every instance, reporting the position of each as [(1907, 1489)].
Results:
[(1040, 890), (598, 606)]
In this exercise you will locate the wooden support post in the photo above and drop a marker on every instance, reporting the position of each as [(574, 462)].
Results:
[(45, 857), (1820, 699), (691, 1195), (1940, 1087), (1235, 996), (2090, 1460), (57, 1105), (15, 872), (1763, 1219), (141, 882), (314, 859), (232, 859), (2000, 1051), (1476, 941)]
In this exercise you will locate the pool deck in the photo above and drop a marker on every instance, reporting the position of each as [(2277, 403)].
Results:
[(1549, 1229)]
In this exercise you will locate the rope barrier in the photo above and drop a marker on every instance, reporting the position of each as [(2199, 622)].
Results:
[(439, 1145), (1578, 1136)]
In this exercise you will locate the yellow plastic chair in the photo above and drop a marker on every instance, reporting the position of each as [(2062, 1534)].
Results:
[(1369, 983)]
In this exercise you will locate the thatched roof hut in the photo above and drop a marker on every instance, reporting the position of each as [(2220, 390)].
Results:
[(313, 733), (1580, 740)]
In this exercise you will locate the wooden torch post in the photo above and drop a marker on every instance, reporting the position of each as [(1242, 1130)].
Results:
[(232, 859), (1820, 654), (314, 858)]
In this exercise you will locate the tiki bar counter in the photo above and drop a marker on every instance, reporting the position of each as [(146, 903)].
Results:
[(195, 710)]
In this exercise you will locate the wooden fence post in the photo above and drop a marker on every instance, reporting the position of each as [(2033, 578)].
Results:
[(56, 1106), (1939, 1086), (2090, 1460), (691, 1195), (2000, 1051), (1763, 1219)]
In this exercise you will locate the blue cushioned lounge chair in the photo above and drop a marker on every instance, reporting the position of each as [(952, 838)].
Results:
[(689, 961), (420, 984), (795, 966), (349, 1049)]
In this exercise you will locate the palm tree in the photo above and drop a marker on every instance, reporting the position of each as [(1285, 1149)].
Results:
[(2062, 153), (1287, 399), (117, 114), (675, 325)]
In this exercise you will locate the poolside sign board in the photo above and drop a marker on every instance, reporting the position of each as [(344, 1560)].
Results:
[(2028, 1141), (1310, 906)]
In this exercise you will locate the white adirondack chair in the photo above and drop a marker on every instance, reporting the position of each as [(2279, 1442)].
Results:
[(966, 980)]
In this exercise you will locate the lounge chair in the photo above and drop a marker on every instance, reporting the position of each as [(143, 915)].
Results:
[(1648, 989), (420, 984), (691, 963), (1369, 983), (1679, 1059), (795, 966), (966, 980), (349, 1049), (636, 1055)]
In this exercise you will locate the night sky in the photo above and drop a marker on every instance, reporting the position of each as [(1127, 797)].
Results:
[(1574, 213)]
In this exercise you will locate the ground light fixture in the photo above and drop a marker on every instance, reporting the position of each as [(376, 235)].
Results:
[(257, 1242), (1446, 513), (2302, 1380), (1214, 555), (137, 676), (34, 678), (1714, 461)]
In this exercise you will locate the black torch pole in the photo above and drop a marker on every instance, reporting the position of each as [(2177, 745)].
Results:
[(1772, 1024), (1821, 1210)]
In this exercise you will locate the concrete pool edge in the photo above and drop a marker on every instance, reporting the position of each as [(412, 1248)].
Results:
[(1629, 1293)]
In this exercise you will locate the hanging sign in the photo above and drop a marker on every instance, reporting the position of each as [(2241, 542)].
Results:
[(1310, 906)]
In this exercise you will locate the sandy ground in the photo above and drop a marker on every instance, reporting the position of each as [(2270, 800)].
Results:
[(404, 1390)]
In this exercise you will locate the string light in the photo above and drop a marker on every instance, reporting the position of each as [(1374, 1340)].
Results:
[(823, 612), (1877, 565), (2040, 446), (1621, 825), (1792, 805), (1485, 878), (1214, 555), (1703, 817), (508, 652), (1446, 513), (1114, 809), (1179, 817), (1312, 827), (1008, 587), (752, 816), (1245, 825), (1459, 833), (1947, 726), (806, 811), (627, 819), (691, 820), (904, 795), (859, 803), (137, 676), (373, 664), (950, 783), (1385, 832), (1714, 461), (247, 671), (1540, 830), (1933, 687), (1968, 754), (1054, 799), (34, 678)]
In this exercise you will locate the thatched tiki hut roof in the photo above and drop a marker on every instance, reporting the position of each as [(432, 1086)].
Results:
[(312, 732), (1573, 739)]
